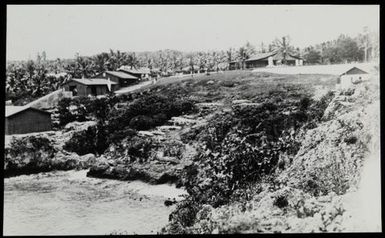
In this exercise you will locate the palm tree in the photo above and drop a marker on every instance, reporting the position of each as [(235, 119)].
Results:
[(242, 56), (283, 46), (230, 55), (101, 62), (132, 60)]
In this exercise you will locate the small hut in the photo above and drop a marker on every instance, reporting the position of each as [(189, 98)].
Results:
[(352, 76), (25, 119)]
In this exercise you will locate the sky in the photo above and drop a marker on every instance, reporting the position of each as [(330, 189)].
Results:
[(64, 30)]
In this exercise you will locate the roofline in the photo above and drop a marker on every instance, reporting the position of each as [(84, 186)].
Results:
[(128, 71), (27, 108), (86, 84), (344, 73), (112, 73)]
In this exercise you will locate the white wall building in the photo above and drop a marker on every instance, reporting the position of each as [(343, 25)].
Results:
[(352, 76)]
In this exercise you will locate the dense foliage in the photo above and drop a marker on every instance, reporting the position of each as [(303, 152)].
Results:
[(115, 124), (28, 155), (242, 147), (30, 80)]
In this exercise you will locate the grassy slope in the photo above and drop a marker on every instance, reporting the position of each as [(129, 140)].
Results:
[(233, 85)]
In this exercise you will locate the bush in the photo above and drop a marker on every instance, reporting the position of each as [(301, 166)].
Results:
[(82, 142), (141, 122), (117, 137), (173, 149), (29, 145), (147, 112), (139, 148), (28, 155), (73, 109), (93, 140), (185, 213)]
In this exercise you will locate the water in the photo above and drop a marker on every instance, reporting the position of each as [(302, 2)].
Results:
[(69, 203)]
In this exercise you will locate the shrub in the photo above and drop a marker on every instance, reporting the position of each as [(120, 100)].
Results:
[(28, 155), (141, 122), (281, 202), (65, 116), (173, 149), (73, 109), (93, 140), (29, 145), (117, 137), (159, 119), (185, 213), (139, 148), (82, 142)]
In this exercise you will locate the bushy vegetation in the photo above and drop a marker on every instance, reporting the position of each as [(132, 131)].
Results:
[(148, 112), (115, 124), (30, 80), (92, 140), (28, 155), (84, 108), (244, 146)]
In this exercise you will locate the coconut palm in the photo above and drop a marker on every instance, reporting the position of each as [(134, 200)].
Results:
[(283, 46), (241, 55), (132, 60)]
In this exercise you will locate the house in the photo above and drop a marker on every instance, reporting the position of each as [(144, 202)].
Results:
[(121, 78), (141, 73), (25, 119), (267, 60), (94, 86), (352, 76)]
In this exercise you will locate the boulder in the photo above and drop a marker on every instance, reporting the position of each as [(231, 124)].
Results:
[(79, 126)]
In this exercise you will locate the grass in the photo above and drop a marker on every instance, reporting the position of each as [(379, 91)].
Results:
[(240, 84)]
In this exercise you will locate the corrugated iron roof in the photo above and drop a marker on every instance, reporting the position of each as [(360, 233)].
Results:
[(96, 81), (279, 56), (261, 56), (121, 74), (134, 71)]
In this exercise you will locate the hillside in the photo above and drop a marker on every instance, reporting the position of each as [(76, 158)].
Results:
[(256, 152)]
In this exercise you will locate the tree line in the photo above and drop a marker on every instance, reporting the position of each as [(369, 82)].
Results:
[(27, 80)]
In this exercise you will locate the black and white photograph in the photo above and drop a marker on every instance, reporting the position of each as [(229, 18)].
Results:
[(133, 119)]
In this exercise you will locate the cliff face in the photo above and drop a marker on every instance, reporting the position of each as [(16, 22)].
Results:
[(332, 184)]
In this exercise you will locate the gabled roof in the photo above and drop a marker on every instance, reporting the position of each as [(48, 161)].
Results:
[(134, 71), (121, 74), (96, 81), (13, 110), (261, 56), (279, 56), (354, 70)]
